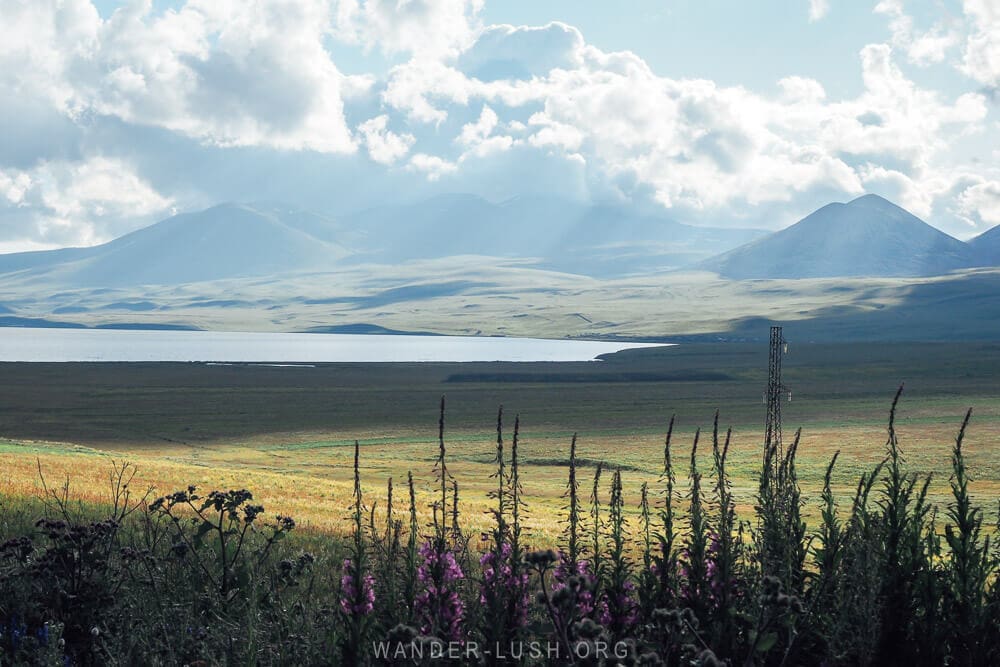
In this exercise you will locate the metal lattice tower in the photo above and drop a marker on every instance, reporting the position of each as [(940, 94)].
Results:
[(772, 425)]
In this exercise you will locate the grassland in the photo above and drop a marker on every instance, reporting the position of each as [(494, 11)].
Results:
[(491, 296), (286, 433)]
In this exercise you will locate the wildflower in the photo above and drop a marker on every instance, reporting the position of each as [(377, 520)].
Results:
[(439, 606), (354, 600), (579, 581), (500, 581)]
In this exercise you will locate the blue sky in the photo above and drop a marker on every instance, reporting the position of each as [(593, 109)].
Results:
[(715, 112)]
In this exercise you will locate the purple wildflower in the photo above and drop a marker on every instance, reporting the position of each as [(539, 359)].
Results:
[(439, 607), (355, 601), (585, 596), (625, 612), (500, 581)]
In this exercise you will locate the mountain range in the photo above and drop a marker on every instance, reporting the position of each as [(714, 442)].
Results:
[(531, 266), (866, 237), (246, 240)]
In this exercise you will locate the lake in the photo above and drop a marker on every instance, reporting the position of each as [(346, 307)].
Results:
[(27, 344)]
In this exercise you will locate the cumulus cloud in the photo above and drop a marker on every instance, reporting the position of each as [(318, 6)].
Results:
[(425, 28), (252, 73), (981, 202), (981, 57), (522, 52), (921, 47), (76, 203), (431, 165), (384, 146), (702, 146), (492, 109)]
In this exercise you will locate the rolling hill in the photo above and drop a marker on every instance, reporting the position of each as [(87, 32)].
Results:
[(869, 236)]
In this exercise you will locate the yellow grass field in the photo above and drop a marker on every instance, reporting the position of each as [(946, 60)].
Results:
[(311, 480)]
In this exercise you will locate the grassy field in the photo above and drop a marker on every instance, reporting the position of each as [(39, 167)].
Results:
[(286, 433), (493, 296)]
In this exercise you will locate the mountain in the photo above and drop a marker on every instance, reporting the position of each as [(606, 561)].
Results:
[(225, 241), (267, 239), (598, 241), (869, 236), (986, 247)]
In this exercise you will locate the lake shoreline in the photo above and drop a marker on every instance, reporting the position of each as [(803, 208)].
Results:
[(117, 345)]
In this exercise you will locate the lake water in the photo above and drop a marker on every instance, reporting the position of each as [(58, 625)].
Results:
[(25, 344)]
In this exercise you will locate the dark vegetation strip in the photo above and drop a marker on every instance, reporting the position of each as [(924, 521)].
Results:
[(562, 378), (103, 403)]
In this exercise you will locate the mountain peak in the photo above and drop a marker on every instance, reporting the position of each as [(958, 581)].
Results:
[(868, 236), (870, 199)]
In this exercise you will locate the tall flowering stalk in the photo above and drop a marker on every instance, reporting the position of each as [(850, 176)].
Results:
[(443, 476), (504, 594), (694, 565), (647, 579), (570, 553), (388, 549), (411, 555), (357, 586), (664, 564), (723, 549), (619, 613), (596, 550), (438, 607), (967, 572)]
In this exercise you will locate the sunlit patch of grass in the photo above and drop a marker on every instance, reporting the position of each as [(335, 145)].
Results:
[(311, 480)]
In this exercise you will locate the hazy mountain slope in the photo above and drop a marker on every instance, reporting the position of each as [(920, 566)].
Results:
[(37, 259), (986, 247), (441, 226), (564, 235), (868, 236), (226, 241)]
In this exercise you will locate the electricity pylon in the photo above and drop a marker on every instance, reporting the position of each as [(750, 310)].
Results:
[(772, 425)]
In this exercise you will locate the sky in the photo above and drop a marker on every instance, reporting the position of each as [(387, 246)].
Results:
[(117, 114)]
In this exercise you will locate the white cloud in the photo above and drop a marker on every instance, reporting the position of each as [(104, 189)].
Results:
[(522, 52), (13, 186), (818, 9), (475, 133), (426, 28), (75, 203), (921, 47), (41, 43), (384, 146), (501, 108), (418, 87), (698, 146), (99, 186), (252, 73), (982, 202), (431, 165), (553, 133), (478, 139), (981, 57)]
